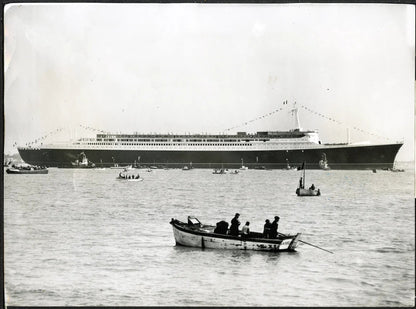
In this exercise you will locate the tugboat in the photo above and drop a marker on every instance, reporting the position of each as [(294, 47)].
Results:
[(323, 163), (82, 162)]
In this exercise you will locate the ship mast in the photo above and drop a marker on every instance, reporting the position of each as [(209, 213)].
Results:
[(294, 111)]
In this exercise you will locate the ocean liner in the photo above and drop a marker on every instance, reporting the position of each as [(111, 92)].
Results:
[(265, 149)]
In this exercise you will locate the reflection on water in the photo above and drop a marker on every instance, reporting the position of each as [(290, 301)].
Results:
[(81, 237)]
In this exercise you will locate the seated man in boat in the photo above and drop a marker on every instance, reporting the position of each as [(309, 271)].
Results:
[(312, 187), (234, 225), (245, 231), (138, 176), (267, 228)]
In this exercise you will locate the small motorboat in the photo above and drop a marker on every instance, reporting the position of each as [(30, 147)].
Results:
[(195, 234), (220, 171), (27, 170), (187, 168), (395, 169), (243, 168), (323, 163), (288, 167), (129, 177), (124, 167)]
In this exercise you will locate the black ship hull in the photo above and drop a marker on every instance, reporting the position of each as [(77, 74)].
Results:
[(338, 157)]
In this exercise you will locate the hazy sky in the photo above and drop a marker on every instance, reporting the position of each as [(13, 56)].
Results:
[(205, 68)]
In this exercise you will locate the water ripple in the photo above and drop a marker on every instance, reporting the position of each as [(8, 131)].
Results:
[(82, 238)]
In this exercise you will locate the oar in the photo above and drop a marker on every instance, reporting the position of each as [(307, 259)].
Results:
[(310, 244), (315, 246)]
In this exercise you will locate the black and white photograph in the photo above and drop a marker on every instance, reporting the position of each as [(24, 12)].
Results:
[(209, 154)]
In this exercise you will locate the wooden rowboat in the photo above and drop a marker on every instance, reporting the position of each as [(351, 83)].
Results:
[(202, 236)]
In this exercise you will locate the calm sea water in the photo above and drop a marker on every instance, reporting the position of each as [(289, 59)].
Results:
[(81, 237)]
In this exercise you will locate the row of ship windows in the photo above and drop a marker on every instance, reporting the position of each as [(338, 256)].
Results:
[(181, 140), (171, 144)]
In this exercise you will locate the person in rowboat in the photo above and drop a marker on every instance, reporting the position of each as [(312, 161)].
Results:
[(267, 229), (274, 227), (245, 231), (234, 225)]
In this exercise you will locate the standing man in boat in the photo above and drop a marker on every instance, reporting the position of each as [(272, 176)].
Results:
[(234, 225), (267, 228), (274, 227)]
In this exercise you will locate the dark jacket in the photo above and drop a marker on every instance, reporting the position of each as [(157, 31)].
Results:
[(273, 229), (234, 226), (267, 229)]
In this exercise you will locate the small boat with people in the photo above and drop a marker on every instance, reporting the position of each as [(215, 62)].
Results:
[(289, 167), (124, 167), (394, 169), (129, 177), (27, 169), (195, 234), (301, 190), (187, 168), (220, 171)]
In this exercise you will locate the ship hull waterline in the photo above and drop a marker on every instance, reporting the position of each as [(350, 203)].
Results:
[(347, 157)]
